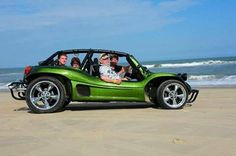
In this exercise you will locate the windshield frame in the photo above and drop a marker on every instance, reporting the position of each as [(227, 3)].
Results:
[(144, 71)]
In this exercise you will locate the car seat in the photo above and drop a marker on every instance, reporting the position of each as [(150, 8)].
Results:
[(96, 66)]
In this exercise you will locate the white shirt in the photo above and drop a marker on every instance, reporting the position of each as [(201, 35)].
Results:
[(106, 70)]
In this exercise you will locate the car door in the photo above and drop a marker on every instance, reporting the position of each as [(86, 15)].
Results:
[(103, 91), (126, 91)]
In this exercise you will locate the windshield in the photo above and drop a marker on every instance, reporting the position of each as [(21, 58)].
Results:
[(144, 70)]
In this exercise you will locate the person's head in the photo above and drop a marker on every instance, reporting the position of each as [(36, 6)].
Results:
[(62, 59), (75, 62), (104, 59), (114, 59)]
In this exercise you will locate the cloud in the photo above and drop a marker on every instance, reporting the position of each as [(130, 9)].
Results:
[(105, 16)]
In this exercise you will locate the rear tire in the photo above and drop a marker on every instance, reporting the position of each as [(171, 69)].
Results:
[(172, 94), (67, 102), (45, 95)]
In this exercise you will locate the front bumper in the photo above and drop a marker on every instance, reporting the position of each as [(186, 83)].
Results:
[(18, 90), (193, 95)]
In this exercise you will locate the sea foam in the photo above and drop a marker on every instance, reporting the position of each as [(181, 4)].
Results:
[(212, 80), (190, 64)]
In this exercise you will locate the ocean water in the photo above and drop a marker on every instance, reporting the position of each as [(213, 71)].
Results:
[(8, 75), (207, 72)]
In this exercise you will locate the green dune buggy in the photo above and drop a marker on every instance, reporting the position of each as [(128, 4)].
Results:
[(48, 87)]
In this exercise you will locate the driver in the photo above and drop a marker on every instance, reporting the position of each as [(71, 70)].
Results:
[(114, 59)]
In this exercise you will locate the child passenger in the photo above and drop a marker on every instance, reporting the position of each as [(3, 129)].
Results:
[(75, 62)]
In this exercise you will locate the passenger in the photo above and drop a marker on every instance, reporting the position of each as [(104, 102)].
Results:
[(62, 59), (107, 74), (118, 69), (75, 62)]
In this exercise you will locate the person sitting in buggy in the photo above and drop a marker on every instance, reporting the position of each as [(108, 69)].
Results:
[(75, 62)]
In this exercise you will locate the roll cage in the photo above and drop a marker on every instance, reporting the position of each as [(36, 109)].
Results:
[(77, 51), (92, 66)]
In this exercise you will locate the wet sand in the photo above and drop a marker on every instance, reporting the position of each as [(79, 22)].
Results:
[(208, 127)]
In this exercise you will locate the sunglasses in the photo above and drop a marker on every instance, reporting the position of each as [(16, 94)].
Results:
[(105, 58)]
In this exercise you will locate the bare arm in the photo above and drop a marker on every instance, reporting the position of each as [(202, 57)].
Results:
[(124, 69), (107, 79)]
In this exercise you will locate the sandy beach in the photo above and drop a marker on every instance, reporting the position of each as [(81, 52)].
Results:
[(208, 127)]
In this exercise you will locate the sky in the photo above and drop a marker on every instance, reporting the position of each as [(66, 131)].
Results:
[(31, 30)]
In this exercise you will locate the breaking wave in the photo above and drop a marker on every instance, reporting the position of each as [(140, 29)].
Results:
[(3, 86), (212, 80), (202, 77), (191, 64), (10, 74)]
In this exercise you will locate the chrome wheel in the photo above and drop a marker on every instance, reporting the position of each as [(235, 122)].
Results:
[(174, 95), (44, 95)]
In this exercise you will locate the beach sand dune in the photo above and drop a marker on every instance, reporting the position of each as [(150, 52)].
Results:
[(208, 127)]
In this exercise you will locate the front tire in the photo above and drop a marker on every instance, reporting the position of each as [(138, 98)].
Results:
[(45, 95), (172, 94)]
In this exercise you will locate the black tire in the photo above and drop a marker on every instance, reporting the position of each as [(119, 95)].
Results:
[(172, 94), (45, 95), (67, 102)]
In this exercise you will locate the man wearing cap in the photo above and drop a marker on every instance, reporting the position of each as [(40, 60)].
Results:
[(107, 74)]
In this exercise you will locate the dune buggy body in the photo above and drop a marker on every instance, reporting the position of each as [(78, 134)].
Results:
[(48, 87)]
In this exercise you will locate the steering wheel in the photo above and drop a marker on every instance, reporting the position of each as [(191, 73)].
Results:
[(129, 74), (130, 70)]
